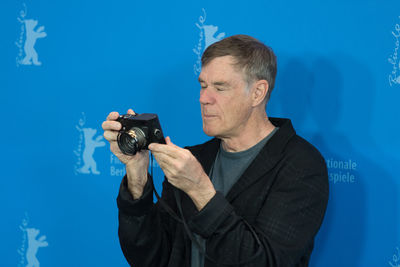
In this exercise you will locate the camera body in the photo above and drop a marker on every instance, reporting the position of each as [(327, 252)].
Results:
[(138, 131)]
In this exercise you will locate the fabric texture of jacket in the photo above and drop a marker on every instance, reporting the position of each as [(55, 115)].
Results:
[(271, 214)]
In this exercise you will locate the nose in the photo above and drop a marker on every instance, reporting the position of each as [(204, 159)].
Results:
[(205, 97)]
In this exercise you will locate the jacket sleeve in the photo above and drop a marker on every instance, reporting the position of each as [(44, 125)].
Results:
[(144, 230), (285, 226)]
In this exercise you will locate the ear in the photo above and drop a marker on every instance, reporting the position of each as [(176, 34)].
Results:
[(260, 90)]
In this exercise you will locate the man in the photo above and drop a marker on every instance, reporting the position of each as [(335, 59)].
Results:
[(255, 195)]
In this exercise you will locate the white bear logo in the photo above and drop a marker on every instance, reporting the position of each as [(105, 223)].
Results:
[(33, 246), (31, 55), (395, 80), (209, 32), (90, 145), (206, 38)]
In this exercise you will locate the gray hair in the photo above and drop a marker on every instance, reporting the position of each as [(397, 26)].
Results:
[(255, 59)]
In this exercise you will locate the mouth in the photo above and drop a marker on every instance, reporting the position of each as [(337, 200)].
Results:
[(208, 116)]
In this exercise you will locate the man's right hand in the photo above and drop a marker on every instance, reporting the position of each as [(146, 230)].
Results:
[(136, 165)]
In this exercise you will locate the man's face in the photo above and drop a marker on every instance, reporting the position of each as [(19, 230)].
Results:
[(225, 101)]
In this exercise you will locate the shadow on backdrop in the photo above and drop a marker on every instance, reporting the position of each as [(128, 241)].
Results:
[(311, 92)]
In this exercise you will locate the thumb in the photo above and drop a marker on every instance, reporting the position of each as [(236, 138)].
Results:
[(130, 111), (169, 142)]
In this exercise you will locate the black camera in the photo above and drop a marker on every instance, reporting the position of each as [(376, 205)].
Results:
[(138, 131)]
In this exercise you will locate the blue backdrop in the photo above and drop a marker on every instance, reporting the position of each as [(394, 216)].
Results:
[(64, 65)]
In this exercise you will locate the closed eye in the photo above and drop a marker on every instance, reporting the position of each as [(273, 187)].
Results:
[(221, 86)]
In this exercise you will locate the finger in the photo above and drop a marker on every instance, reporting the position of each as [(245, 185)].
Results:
[(113, 116), (130, 111), (110, 136), (172, 151), (161, 147), (165, 149), (169, 175), (154, 147), (169, 142), (114, 147), (167, 171), (165, 161), (111, 125)]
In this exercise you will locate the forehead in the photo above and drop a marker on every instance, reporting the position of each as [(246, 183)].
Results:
[(220, 68)]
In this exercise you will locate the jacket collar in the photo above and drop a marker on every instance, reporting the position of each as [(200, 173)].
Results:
[(269, 155)]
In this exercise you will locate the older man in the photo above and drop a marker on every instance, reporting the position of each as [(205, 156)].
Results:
[(254, 195)]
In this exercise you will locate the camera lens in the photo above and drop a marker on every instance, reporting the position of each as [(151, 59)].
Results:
[(131, 141)]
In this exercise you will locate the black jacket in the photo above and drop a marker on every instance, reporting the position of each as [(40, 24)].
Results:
[(282, 196)]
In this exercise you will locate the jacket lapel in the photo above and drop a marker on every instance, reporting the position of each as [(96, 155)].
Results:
[(268, 157), (205, 154)]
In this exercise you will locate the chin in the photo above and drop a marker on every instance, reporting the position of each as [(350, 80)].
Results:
[(209, 131)]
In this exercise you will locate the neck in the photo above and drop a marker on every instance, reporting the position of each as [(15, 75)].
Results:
[(255, 130)]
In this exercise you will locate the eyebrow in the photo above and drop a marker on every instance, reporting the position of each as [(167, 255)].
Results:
[(221, 83), (218, 83)]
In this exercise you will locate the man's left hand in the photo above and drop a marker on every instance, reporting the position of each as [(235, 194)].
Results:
[(184, 172)]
